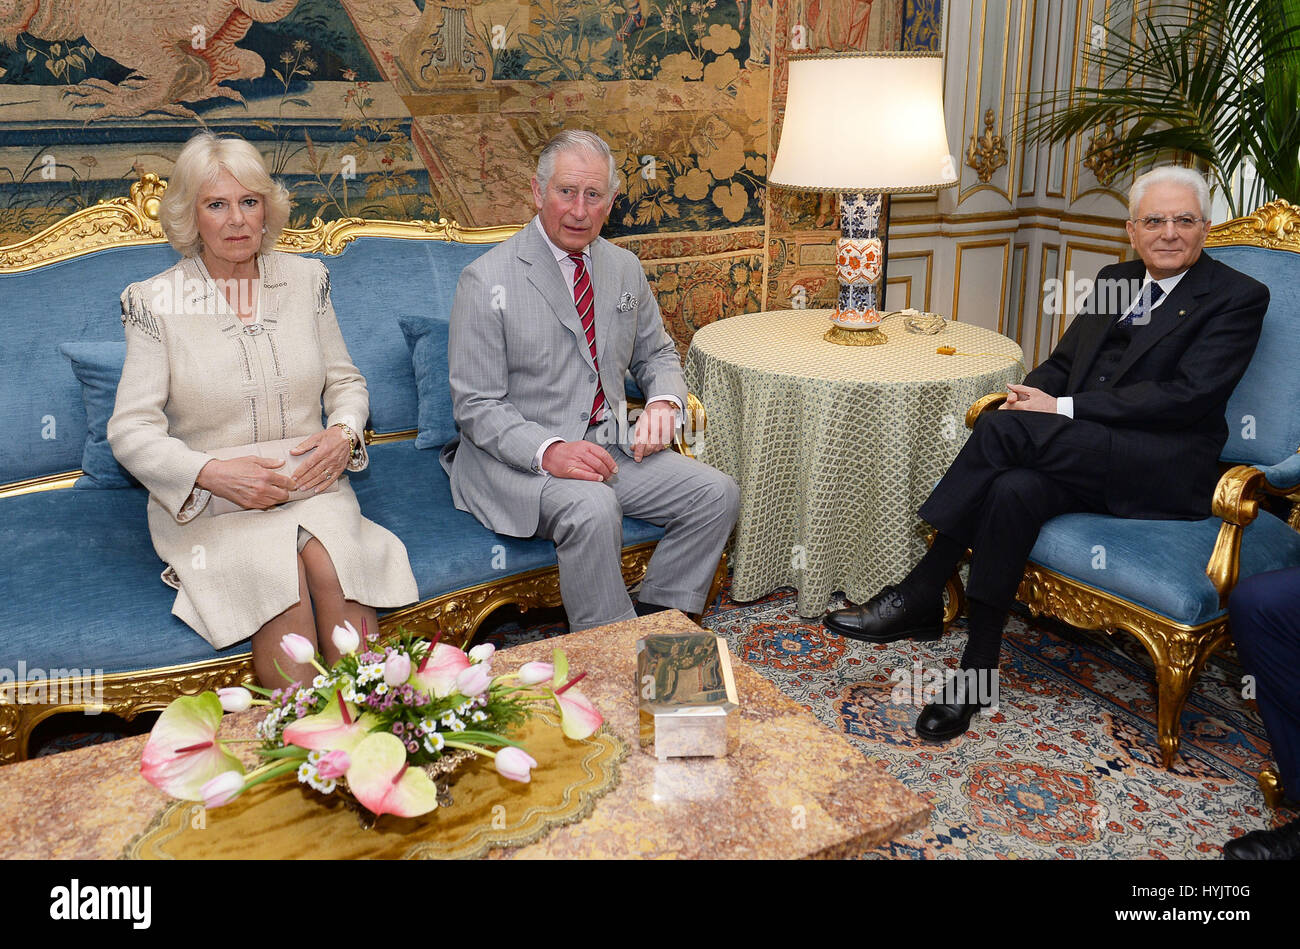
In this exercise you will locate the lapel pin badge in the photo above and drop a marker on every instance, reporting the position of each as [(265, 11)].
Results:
[(627, 302)]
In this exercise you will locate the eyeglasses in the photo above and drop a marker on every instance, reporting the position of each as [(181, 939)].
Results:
[(1184, 222)]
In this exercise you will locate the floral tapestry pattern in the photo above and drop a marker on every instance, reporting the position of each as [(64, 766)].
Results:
[(437, 108)]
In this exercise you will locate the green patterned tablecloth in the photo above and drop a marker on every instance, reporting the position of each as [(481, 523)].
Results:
[(834, 447)]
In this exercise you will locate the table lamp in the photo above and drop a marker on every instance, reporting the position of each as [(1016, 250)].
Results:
[(894, 140)]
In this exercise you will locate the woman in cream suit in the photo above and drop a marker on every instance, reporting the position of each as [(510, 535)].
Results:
[(236, 345)]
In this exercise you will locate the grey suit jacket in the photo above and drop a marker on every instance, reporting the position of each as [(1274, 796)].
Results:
[(521, 370)]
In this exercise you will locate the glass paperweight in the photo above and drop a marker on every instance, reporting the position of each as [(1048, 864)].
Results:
[(687, 692)]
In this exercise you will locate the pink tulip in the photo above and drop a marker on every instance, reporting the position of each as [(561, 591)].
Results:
[(532, 673), (515, 764), (222, 789), (472, 681), (334, 765), (297, 648), (236, 699), (482, 652), (346, 639), (397, 669)]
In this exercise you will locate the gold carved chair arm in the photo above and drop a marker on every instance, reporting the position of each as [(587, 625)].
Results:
[(1236, 503), (984, 404), (694, 421)]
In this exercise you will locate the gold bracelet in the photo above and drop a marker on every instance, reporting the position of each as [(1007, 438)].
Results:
[(354, 442)]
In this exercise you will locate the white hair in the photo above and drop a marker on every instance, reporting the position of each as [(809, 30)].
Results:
[(199, 164), (575, 140), (1188, 178)]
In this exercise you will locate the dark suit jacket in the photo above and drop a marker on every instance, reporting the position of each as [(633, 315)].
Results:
[(1164, 404)]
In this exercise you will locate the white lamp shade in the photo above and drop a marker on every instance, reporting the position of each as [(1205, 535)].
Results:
[(864, 122)]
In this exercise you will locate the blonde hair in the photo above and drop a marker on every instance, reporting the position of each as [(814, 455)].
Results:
[(200, 163)]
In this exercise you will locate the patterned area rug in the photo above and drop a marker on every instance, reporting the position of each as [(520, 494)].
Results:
[(1067, 767)]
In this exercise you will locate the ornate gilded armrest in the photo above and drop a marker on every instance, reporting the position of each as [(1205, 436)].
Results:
[(693, 424), (982, 405), (1236, 502), (692, 430)]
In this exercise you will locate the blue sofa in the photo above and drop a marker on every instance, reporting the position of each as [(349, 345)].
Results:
[(86, 620)]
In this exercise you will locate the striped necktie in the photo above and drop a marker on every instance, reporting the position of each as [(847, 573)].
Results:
[(584, 298), (1140, 315)]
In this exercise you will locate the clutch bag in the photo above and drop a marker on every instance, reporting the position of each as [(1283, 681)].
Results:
[(277, 451)]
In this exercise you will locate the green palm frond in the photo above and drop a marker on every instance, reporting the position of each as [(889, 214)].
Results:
[(1213, 81)]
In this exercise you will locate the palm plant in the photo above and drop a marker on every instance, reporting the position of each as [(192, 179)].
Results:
[(1216, 81)]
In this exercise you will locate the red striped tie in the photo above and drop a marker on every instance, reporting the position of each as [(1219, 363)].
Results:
[(585, 300)]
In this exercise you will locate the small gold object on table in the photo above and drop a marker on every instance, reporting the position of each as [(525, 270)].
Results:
[(688, 694)]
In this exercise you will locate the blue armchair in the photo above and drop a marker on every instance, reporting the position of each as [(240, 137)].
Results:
[(1167, 582)]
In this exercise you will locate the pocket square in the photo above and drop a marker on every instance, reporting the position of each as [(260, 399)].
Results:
[(627, 302)]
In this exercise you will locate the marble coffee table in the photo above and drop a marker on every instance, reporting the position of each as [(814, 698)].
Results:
[(790, 788)]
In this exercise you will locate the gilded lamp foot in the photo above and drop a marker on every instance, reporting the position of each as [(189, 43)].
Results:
[(843, 337)]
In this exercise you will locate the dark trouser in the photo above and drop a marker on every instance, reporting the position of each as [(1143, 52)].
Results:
[(1264, 613), (1016, 471)]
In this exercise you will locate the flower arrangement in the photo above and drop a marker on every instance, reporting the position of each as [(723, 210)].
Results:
[(384, 713)]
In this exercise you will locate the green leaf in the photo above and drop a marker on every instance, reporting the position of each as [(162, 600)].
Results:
[(278, 75), (299, 102)]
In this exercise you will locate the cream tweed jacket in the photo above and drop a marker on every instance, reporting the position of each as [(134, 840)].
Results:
[(195, 379)]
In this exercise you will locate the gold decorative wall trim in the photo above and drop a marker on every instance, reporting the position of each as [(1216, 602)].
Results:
[(987, 152), (1005, 244), (133, 221), (1101, 158)]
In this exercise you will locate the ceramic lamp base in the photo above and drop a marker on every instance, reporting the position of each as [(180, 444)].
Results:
[(864, 337)]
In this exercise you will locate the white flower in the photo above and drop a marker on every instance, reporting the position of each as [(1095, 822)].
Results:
[(320, 682), (381, 689), (428, 726), (314, 757), (464, 707), (306, 773), (482, 652), (434, 742), (325, 787), (479, 716)]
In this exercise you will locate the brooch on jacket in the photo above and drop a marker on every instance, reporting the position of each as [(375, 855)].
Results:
[(627, 302)]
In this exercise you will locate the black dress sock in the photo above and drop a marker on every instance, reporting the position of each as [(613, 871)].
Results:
[(984, 646), (928, 577)]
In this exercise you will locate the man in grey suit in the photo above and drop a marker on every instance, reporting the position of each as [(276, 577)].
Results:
[(543, 329)]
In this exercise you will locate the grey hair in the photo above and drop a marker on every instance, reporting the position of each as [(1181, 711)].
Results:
[(200, 163), (1188, 178), (574, 140)]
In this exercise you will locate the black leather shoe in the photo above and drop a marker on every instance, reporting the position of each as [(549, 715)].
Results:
[(950, 718), (887, 618), (648, 609), (1280, 844)]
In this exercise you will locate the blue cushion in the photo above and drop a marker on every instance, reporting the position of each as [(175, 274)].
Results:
[(1159, 564), (375, 283), (426, 337), (79, 579), (42, 413), (98, 367), (407, 491), (81, 586), (1263, 426)]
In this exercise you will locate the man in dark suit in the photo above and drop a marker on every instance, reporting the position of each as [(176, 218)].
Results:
[(1265, 616), (1126, 417)]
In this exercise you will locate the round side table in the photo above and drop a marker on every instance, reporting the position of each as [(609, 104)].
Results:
[(835, 447)]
